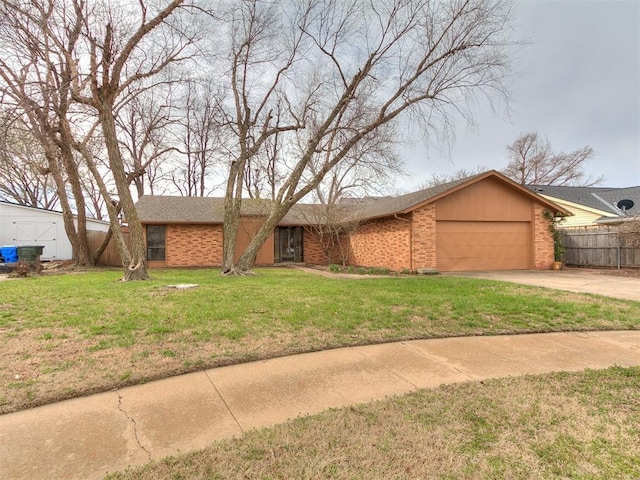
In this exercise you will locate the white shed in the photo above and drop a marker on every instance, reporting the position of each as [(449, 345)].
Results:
[(20, 225)]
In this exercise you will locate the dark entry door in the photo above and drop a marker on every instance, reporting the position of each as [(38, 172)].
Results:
[(289, 244)]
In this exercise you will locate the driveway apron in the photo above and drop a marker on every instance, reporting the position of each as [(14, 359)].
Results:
[(623, 288)]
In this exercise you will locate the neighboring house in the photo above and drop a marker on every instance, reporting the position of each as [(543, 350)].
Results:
[(20, 225), (484, 222), (592, 206)]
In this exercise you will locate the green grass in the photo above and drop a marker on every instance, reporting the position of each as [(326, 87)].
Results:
[(97, 305), (57, 328), (565, 425)]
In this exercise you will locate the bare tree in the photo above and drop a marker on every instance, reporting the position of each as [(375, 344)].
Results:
[(143, 121), (95, 200), (629, 232), (338, 72), (90, 58), (261, 174), (24, 176), (332, 224), (36, 68), (439, 179), (533, 162), (119, 55), (200, 140)]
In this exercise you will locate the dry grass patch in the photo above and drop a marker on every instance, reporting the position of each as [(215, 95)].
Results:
[(567, 425)]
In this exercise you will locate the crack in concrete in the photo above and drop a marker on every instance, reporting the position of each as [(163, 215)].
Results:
[(611, 341), (438, 359), (385, 367), (224, 402), (135, 425)]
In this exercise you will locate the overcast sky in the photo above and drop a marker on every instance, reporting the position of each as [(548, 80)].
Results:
[(579, 85)]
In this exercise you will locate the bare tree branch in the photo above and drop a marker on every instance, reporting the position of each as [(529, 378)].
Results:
[(533, 162), (339, 73)]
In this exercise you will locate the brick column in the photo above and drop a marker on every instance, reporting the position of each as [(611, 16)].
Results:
[(423, 237), (542, 240)]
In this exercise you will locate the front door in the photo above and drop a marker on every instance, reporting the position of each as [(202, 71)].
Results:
[(289, 244)]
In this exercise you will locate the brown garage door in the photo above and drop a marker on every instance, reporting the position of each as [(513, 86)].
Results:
[(483, 245)]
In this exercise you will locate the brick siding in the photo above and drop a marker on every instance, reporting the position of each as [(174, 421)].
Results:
[(382, 243), (313, 253), (194, 245), (542, 240), (423, 237)]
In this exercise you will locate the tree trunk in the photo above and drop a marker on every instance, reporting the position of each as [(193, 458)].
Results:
[(112, 210), (101, 248), (136, 267), (52, 156), (248, 258), (81, 252), (229, 237), (232, 210)]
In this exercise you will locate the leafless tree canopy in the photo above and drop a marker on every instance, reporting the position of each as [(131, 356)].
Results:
[(199, 132), (332, 78), (533, 162), (24, 176), (439, 179), (279, 100), (74, 70), (35, 72)]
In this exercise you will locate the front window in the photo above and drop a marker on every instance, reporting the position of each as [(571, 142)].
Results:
[(155, 242)]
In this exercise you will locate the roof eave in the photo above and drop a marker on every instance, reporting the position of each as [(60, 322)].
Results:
[(557, 209), (585, 208), (178, 222)]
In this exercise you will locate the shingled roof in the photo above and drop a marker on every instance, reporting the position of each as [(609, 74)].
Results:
[(605, 199), (195, 210), (161, 209), (404, 203), (411, 201)]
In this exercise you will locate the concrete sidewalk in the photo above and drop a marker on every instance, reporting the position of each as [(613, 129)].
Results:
[(88, 437)]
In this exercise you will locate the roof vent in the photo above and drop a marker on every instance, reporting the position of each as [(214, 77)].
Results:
[(625, 204)]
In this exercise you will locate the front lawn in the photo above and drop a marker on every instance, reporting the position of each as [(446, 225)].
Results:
[(73, 334)]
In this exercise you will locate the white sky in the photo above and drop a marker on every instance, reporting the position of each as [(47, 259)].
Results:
[(578, 84)]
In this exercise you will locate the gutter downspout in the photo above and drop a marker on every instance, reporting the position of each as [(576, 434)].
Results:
[(395, 215)]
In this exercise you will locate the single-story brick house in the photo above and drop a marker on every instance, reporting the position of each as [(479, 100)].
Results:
[(484, 222)]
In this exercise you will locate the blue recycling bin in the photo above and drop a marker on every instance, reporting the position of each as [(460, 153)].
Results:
[(9, 253)]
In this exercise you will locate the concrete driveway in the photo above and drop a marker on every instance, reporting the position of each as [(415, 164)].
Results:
[(580, 281)]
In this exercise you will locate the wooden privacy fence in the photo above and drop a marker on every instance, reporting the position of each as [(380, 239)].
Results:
[(599, 247), (110, 256)]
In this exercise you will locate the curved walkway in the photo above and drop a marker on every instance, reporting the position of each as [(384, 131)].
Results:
[(88, 437)]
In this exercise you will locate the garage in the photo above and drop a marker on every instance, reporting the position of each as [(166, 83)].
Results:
[(483, 245)]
